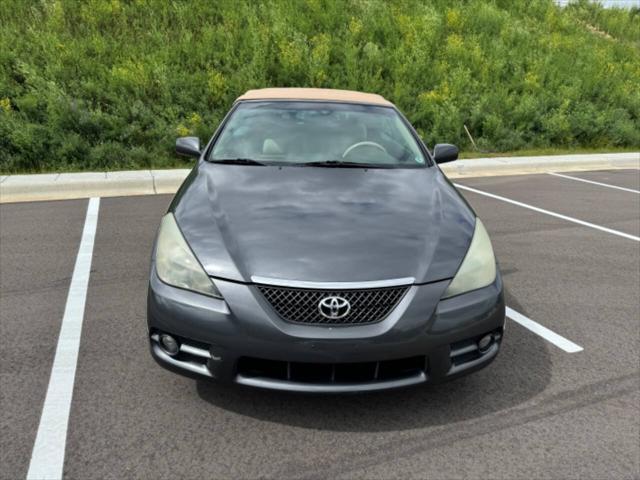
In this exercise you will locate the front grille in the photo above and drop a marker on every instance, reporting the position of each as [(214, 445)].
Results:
[(332, 373), (299, 305)]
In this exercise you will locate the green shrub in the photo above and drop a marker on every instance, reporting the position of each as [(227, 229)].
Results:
[(107, 84)]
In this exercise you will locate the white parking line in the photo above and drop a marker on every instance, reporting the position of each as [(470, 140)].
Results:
[(552, 337), (47, 457), (594, 183), (547, 212)]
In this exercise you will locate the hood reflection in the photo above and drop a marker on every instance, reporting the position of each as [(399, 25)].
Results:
[(324, 224)]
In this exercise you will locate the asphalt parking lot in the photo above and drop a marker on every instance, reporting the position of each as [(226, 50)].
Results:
[(539, 411)]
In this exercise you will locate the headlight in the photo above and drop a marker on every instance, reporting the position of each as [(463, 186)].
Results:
[(175, 262), (478, 268)]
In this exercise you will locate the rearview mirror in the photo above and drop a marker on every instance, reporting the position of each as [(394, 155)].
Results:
[(445, 152), (188, 146)]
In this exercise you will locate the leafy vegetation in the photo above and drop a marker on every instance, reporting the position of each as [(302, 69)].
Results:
[(105, 84), (617, 23)]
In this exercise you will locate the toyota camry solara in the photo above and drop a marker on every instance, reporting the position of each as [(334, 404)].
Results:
[(317, 247)]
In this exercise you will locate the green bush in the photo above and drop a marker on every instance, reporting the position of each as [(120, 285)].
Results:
[(107, 84)]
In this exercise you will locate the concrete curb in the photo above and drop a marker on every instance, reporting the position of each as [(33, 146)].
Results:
[(480, 167), (59, 186)]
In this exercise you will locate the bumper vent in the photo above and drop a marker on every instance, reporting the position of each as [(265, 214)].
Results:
[(332, 373), (297, 305)]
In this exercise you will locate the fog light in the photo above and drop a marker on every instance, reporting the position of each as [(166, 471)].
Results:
[(485, 342), (169, 345)]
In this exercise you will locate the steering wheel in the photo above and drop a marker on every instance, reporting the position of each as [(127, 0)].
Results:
[(363, 144)]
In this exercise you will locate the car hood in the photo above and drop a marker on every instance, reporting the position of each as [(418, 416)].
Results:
[(320, 224)]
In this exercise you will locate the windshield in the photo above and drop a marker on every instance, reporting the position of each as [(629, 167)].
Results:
[(315, 133)]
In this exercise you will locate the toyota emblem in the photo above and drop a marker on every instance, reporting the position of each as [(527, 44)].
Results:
[(334, 307)]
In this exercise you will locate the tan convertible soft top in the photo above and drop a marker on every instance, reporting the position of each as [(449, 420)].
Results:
[(346, 96)]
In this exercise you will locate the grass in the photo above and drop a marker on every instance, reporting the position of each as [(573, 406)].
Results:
[(109, 84)]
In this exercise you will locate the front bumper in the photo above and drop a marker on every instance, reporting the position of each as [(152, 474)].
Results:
[(242, 340)]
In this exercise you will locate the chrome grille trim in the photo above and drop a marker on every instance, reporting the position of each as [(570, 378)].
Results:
[(300, 306), (277, 282), (287, 386)]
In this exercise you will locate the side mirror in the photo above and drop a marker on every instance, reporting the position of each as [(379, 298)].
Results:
[(445, 152), (188, 146)]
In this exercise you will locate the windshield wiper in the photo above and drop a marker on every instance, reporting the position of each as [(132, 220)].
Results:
[(342, 164), (238, 161)]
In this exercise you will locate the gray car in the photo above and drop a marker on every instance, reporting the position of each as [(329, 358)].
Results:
[(317, 247)]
